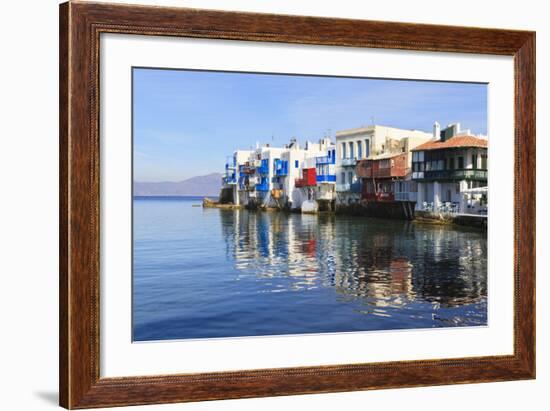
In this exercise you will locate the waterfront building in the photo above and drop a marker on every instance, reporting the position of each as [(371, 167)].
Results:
[(362, 143), (301, 162), (318, 176), (270, 176), (386, 176), (233, 176), (260, 171), (379, 175), (372, 167), (325, 170), (451, 172)]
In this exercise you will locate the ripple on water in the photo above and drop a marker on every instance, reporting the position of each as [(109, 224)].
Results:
[(215, 273)]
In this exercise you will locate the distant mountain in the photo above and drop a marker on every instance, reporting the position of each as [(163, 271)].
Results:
[(208, 186)]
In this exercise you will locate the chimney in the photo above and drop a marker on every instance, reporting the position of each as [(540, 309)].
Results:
[(437, 131)]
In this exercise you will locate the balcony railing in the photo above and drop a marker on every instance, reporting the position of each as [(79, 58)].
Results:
[(369, 172), (262, 187), (325, 160), (280, 167), (246, 169), (406, 196), (303, 182), (465, 174), (229, 179), (326, 178), (347, 187), (264, 167), (349, 161)]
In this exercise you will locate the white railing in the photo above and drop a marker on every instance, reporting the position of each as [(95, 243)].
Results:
[(348, 161)]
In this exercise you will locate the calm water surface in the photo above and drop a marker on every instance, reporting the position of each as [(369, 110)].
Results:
[(204, 273)]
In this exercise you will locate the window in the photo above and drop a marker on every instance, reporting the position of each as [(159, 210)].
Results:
[(351, 149), (484, 162), (451, 163), (359, 150), (350, 177), (460, 163), (344, 150), (296, 164), (474, 161), (367, 148), (343, 177)]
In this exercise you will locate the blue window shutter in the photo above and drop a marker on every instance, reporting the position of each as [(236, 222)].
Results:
[(296, 164)]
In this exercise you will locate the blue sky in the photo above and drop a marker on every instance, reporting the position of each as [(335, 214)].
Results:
[(187, 122)]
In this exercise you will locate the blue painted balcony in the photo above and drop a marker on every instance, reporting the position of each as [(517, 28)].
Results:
[(264, 186), (280, 167), (243, 182), (229, 179), (325, 160), (326, 178), (264, 167)]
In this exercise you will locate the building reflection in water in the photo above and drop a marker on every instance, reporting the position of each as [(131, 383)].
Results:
[(386, 265)]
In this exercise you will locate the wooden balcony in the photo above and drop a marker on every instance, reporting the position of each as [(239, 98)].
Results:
[(390, 167), (464, 174)]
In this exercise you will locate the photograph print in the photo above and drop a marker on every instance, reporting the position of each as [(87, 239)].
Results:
[(281, 204)]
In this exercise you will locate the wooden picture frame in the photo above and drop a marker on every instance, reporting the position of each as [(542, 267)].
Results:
[(80, 27)]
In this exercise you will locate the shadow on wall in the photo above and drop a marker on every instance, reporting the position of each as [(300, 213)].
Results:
[(51, 397)]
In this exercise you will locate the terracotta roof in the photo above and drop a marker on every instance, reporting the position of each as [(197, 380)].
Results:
[(453, 142)]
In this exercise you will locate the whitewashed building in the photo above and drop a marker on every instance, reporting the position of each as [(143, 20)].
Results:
[(361, 143), (232, 176), (451, 172), (268, 176)]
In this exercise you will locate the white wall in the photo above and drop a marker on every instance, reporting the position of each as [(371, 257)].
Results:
[(28, 166)]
